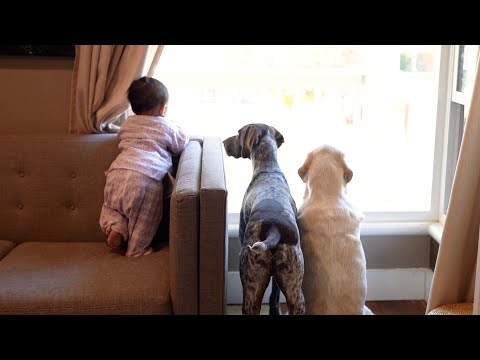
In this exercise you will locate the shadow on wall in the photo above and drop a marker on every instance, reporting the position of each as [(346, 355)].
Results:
[(38, 50)]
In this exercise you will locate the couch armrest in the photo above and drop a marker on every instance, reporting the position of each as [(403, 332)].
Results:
[(213, 229), (184, 226)]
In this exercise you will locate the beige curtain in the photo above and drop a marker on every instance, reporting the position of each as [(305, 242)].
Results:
[(454, 275), (101, 77)]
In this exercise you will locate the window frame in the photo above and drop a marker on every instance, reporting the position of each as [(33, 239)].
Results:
[(460, 97), (450, 130), (457, 109)]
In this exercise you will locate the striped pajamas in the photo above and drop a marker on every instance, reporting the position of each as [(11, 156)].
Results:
[(133, 207), (133, 194)]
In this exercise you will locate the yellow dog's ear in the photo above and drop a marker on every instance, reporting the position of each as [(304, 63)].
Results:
[(347, 172), (277, 135), (348, 175), (303, 170)]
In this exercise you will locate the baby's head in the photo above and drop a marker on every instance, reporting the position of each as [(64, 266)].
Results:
[(148, 96)]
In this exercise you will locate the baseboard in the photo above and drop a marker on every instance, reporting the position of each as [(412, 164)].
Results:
[(428, 282), (382, 284)]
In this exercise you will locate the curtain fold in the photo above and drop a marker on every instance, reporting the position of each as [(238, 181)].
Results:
[(454, 274), (100, 80)]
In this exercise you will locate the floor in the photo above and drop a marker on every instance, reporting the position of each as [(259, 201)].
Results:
[(401, 307), (404, 307)]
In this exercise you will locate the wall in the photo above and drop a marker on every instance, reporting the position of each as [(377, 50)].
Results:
[(381, 252), (398, 268), (434, 246), (35, 94)]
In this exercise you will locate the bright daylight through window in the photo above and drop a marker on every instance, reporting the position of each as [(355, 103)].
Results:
[(378, 104)]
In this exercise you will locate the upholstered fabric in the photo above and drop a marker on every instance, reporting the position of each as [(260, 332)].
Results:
[(213, 230), (184, 219), (5, 247), (53, 184), (453, 309), (82, 278), (53, 256)]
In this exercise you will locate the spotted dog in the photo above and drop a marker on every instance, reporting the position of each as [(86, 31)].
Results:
[(269, 235)]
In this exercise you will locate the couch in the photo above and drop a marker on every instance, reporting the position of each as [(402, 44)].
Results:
[(53, 256)]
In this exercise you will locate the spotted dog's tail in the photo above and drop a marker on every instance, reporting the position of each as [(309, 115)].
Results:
[(272, 238)]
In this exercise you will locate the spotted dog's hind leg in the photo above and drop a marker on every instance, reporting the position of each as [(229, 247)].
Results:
[(289, 275), (255, 276), (274, 301)]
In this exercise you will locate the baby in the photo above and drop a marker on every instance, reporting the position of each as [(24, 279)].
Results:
[(133, 194)]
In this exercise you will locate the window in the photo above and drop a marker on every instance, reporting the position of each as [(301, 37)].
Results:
[(376, 103), (464, 59)]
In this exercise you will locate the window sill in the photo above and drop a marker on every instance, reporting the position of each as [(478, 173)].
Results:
[(434, 229)]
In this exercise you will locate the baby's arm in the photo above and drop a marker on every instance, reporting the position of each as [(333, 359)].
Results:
[(179, 140)]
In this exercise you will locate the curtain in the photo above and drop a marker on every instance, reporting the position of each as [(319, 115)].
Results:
[(454, 274), (101, 77)]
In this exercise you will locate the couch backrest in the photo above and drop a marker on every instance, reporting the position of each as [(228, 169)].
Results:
[(51, 186)]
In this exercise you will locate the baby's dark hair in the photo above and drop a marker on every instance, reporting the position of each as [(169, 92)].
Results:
[(146, 93)]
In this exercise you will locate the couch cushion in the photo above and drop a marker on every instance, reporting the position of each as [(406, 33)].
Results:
[(82, 278), (5, 247)]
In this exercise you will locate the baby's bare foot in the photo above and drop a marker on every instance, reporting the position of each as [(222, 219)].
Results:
[(114, 240)]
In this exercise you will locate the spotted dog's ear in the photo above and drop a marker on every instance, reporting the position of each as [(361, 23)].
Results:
[(249, 136), (303, 170), (244, 141), (277, 135), (242, 134)]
